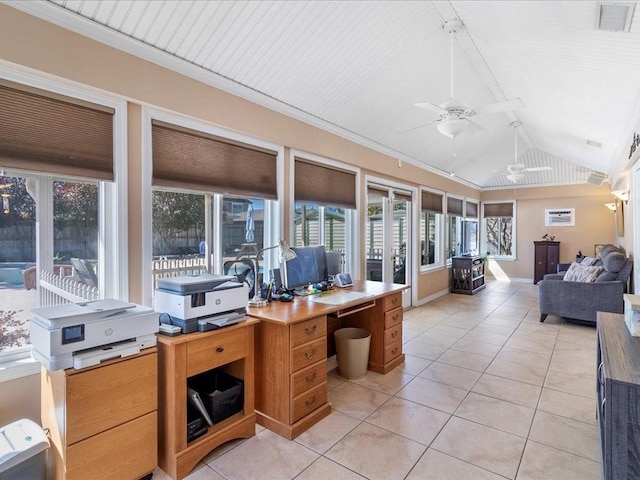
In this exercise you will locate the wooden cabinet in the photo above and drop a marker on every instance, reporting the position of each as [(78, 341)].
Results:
[(291, 375), (102, 419), (384, 321), (618, 397), (546, 259), (231, 350), (467, 274)]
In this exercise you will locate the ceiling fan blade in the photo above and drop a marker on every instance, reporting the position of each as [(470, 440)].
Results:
[(431, 107), (505, 106), (419, 126), (538, 169)]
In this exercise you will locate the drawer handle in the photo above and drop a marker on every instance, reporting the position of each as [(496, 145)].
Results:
[(394, 300), (311, 402), (395, 350), (310, 331), (395, 317), (600, 373), (394, 334), (311, 378), (219, 349), (310, 354)]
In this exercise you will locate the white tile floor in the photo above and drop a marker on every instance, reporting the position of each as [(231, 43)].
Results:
[(487, 392)]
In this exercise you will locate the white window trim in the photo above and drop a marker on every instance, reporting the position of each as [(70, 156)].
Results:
[(440, 232), (352, 230), (272, 234), (483, 238), (114, 273)]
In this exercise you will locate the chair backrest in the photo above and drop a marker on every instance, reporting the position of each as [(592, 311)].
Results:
[(85, 272)]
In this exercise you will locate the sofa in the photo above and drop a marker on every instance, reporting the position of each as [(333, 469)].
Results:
[(587, 287)]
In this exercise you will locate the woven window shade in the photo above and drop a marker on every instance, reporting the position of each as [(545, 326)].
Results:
[(377, 191), (319, 185), (54, 134), (185, 158), (498, 210), (401, 196), (431, 202), (454, 206), (471, 210)]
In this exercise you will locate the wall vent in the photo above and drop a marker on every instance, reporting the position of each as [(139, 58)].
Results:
[(615, 16), (560, 217)]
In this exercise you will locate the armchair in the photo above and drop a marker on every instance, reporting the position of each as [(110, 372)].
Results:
[(582, 300)]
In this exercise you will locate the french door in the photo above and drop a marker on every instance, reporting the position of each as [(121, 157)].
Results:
[(388, 236)]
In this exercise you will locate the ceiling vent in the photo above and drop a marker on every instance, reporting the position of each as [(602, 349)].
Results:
[(615, 16), (596, 178)]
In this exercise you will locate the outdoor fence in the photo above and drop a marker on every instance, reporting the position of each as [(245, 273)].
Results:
[(175, 267), (55, 290)]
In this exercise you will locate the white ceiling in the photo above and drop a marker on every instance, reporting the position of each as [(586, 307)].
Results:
[(358, 67)]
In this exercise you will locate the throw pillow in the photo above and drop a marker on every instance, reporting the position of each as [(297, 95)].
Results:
[(588, 261), (614, 262), (582, 273), (606, 277)]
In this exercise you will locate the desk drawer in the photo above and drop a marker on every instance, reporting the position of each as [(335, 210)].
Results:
[(393, 334), (392, 317), (308, 402), (308, 378), (392, 351), (102, 398), (214, 350), (305, 355), (392, 301), (126, 451), (310, 330)]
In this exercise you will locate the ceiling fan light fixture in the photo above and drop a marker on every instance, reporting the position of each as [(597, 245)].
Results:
[(453, 127), (515, 177)]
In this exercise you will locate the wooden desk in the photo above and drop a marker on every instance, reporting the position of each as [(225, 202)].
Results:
[(230, 349), (294, 339)]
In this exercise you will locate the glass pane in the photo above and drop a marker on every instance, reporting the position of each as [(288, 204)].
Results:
[(17, 262), (400, 239), (334, 229), (75, 226), (374, 237), (498, 231), (470, 237), (306, 225), (428, 229)]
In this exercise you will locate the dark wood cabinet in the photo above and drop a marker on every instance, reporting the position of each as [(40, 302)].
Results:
[(618, 397), (467, 274), (547, 257)]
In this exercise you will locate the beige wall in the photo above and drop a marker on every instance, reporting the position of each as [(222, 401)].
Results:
[(594, 223), (20, 398)]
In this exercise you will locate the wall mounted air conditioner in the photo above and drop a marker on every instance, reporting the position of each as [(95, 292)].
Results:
[(560, 217)]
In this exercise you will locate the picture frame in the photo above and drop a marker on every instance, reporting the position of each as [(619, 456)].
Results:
[(620, 217)]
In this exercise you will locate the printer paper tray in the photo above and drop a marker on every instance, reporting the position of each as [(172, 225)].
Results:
[(93, 356)]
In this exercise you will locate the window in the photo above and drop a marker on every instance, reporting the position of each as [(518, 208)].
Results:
[(470, 237), (454, 234), (498, 229), (430, 227), (324, 208), (71, 175)]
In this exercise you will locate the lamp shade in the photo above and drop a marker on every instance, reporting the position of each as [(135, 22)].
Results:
[(453, 127), (515, 177)]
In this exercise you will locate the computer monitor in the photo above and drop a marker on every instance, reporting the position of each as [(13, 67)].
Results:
[(308, 268)]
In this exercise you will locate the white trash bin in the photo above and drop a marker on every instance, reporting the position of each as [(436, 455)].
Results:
[(352, 352), (23, 446)]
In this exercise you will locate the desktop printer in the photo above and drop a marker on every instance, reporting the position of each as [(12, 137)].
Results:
[(201, 303), (80, 335)]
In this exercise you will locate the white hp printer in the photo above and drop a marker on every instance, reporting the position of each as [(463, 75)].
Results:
[(80, 335), (201, 303)]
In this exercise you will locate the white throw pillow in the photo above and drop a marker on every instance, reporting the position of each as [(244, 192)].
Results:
[(582, 273)]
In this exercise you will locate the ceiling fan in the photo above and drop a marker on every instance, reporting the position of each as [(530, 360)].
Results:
[(454, 116), (517, 170)]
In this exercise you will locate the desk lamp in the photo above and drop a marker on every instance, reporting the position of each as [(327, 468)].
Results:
[(285, 254)]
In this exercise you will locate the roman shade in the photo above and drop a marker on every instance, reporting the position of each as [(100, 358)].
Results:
[(377, 191), (431, 202), (54, 134), (471, 209), (185, 158), (498, 210), (321, 185), (405, 196), (454, 206)]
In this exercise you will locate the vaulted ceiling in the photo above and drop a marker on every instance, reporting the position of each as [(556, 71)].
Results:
[(357, 68)]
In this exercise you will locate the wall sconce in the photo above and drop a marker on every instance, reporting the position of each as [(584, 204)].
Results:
[(611, 206), (621, 195)]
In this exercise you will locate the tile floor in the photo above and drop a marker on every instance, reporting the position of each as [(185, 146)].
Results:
[(487, 392)]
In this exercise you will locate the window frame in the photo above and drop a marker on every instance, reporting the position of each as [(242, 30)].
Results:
[(514, 242), (113, 199), (274, 209), (440, 232), (352, 230)]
